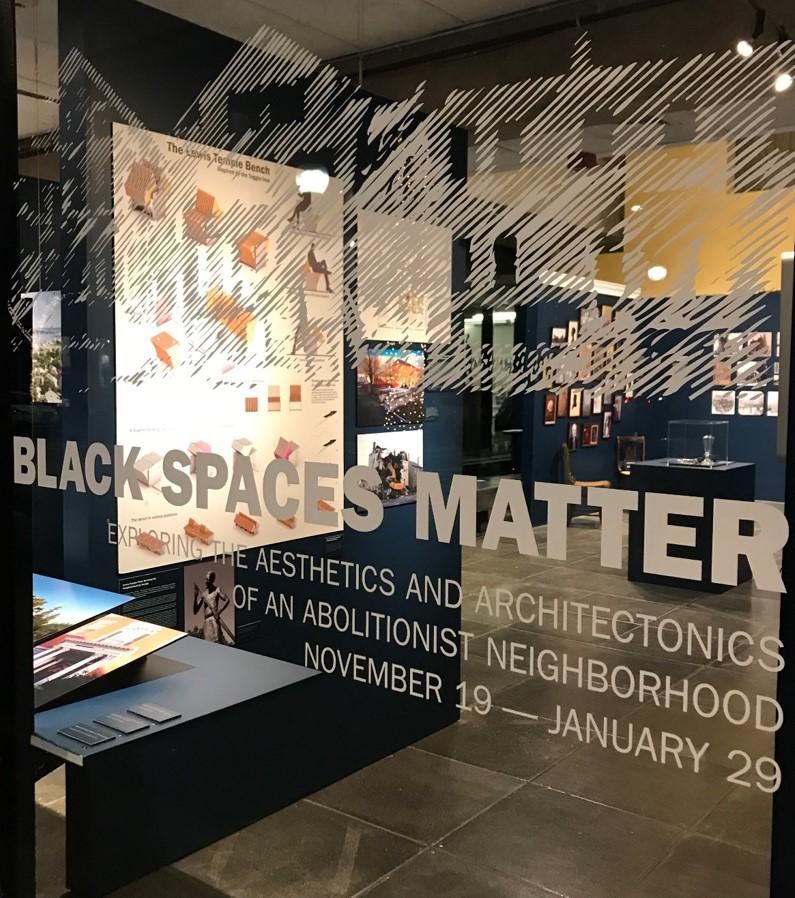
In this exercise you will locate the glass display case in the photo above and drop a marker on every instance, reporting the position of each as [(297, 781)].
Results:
[(704, 443)]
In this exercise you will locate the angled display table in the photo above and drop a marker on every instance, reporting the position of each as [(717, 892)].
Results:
[(730, 480), (143, 800)]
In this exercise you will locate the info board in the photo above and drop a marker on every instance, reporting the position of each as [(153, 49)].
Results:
[(228, 316)]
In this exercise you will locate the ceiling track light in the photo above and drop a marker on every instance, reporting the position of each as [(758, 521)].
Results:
[(746, 45), (783, 81)]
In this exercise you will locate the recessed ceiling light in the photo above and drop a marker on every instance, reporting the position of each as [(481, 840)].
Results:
[(657, 273), (744, 48), (635, 207), (783, 82)]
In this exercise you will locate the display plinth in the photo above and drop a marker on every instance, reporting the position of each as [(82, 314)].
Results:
[(731, 480), (254, 735)]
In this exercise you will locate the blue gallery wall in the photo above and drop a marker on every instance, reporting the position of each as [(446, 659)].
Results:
[(541, 444), (751, 439), (159, 101)]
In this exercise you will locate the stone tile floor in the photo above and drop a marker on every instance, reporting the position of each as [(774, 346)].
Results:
[(497, 807)]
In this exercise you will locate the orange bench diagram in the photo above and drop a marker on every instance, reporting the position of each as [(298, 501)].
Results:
[(226, 310), (198, 531)]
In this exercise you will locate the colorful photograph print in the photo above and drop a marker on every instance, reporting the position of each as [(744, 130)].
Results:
[(64, 663), (60, 604), (389, 386), (45, 380), (396, 457)]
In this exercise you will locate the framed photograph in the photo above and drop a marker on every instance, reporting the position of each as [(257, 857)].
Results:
[(396, 457), (778, 343), (587, 403), (775, 372), (751, 402), (575, 402), (594, 434), (597, 402), (772, 403), (573, 331), (558, 337), (727, 343), (750, 374), (618, 401), (389, 386), (573, 436), (606, 312), (586, 436), (563, 402), (760, 344), (735, 342), (586, 362), (209, 609), (607, 424), (550, 408), (45, 381), (607, 400), (723, 402), (588, 314), (722, 374)]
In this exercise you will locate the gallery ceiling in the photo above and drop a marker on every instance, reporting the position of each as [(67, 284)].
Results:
[(329, 29), (340, 27)]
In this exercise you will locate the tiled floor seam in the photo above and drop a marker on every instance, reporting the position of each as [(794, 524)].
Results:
[(384, 877), (361, 820)]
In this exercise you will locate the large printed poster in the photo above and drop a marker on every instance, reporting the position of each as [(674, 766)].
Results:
[(228, 336)]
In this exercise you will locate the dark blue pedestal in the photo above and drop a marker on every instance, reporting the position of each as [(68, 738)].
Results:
[(734, 480)]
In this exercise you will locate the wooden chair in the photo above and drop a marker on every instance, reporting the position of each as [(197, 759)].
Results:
[(569, 478), (628, 450)]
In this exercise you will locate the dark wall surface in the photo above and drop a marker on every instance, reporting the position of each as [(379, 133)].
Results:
[(751, 439)]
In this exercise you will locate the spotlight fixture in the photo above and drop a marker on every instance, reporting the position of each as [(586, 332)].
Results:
[(657, 273), (782, 83), (744, 48), (746, 45), (312, 180), (635, 207)]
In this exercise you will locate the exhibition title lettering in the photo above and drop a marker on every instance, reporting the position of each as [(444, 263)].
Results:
[(454, 516)]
